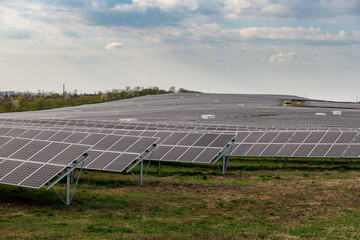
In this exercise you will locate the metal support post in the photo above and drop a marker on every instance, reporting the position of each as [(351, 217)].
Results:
[(148, 153), (285, 162), (72, 176), (225, 158), (332, 161), (69, 174), (68, 182), (141, 173), (350, 163), (159, 168), (224, 166)]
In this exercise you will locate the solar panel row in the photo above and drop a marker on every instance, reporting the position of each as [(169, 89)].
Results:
[(46, 151)]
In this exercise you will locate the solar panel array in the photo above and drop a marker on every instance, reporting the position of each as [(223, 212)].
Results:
[(35, 146), (31, 157), (329, 144)]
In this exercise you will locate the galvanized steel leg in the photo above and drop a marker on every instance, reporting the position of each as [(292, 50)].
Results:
[(350, 163), (285, 163), (72, 176), (159, 167), (332, 161), (141, 172), (68, 182), (224, 166)]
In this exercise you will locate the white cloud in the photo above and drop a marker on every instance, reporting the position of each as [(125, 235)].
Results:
[(114, 45), (282, 34), (164, 5), (282, 57)]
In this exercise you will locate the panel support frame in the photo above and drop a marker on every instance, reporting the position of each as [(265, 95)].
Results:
[(69, 174), (140, 161), (225, 158)]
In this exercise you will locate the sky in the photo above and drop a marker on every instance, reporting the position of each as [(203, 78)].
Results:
[(308, 48)]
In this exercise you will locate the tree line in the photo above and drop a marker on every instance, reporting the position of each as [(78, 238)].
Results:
[(16, 102)]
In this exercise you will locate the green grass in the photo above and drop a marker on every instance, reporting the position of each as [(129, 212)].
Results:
[(256, 199)]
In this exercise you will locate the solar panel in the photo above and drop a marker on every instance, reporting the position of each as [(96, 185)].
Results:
[(124, 144), (49, 152), (31, 133), (207, 155), (148, 133), (241, 150), (29, 150), (336, 151), (7, 166), (162, 135), (11, 147), (191, 154), (190, 139), (330, 137), (352, 152), (107, 142), (42, 176), (256, 150), (20, 173), (288, 150), (45, 135), (268, 137), (103, 160), (206, 140), (320, 150), (299, 137), (76, 137), (160, 152), (4, 130), (174, 138), (15, 132), (60, 136), (315, 137), (271, 150), (120, 163), (71, 153), (283, 137), (241, 136), (357, 139), (253, 137), (4, 140), (174, 153), (346, 137), (93, 139), (222, 140), (304, 150), (141, 145)]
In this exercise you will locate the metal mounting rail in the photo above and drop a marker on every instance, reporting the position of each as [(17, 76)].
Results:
[(69, 175), (148, 153), (224, 157)]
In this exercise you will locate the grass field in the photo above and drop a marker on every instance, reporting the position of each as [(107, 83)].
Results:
[(256, 199)]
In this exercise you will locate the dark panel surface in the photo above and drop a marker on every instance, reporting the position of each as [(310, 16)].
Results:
[(191, 154), (11, 147), (207, 155), (21, 173), (222, 140), (29, 150), (7, 166), (49, 152), (120, 163), (42, 176), (71, 153)]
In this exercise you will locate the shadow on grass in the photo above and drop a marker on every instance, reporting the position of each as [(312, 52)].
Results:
[(30, 197)]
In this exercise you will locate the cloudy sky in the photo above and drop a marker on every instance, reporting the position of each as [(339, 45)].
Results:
[(302, 47)]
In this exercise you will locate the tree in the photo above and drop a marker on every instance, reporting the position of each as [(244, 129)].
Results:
[(172, 89)]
